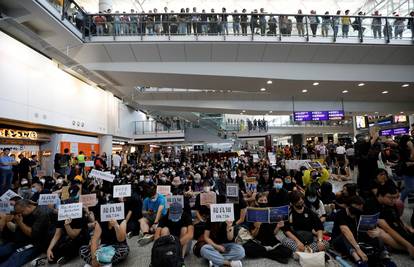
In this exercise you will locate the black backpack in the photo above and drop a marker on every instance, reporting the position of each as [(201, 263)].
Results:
[(166, 252)]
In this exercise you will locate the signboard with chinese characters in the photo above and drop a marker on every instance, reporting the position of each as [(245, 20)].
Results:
[(222, 212), (70, 211), (112, 211)]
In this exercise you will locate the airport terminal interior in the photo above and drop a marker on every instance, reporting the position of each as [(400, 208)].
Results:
[(212, 133)]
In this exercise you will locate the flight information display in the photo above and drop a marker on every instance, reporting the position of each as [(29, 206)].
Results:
[(394, 131), (319, 115)]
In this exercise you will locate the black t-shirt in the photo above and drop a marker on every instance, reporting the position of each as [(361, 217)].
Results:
[(218, 232), (342, 218), (24, 166), (80, 223), (134, 204), (175, 227), (277, 199), (265, 234), (392, 217), (305, 221), (108, 236)]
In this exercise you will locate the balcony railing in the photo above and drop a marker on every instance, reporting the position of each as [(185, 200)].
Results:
[(154, 127), (268, 27)]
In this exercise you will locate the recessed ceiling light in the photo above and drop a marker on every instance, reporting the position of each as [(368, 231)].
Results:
[(345, 91), (262, 89), (304, 91), (243, 110), (269, 82), (401, 112), (365, 114), (405, 85), (361, 84), (384, 92), (241, 113), (315, 83), (228, 91), (376, 112), (270, 111)]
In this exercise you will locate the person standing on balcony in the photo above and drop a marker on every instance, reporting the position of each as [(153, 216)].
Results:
[(410, 24), (299, 23), (150, 23), (173, 23), (125, 24), (262, 22), (182, 25), (326, 22), (335, 23), (194, 22), (157, 21), (254, 21), (99, 23), (272, 25), (236, 23), (203, 22), (376, 24), (346, 21), (133, 27), (188, 20), (117, 23), (314, 22), (109, 22), (244, 21), (398, 27), (224, 25), (165, 22), (213, 23)]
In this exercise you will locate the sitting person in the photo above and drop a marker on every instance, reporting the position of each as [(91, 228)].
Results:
[(304, 227), (106, 234), (219, 248), (179, 224), (154, 208), (313, 202), (381, 180), (348, 190), (265, 243), (278, 196), (320, 175), (345, 235)]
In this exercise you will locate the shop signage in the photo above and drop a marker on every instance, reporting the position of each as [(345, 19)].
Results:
[(18, 134)]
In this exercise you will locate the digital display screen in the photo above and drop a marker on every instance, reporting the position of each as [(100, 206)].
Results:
[(395, 131), (400, 118), (361, 122), (319, 115)]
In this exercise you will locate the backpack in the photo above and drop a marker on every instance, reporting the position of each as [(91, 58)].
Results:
[(166, 251)]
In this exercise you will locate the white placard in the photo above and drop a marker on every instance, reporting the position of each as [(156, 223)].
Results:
[(89, 163), (272, 158), (8, 195), (88, 200), (164, 189), (5, 207), (70, 211), (122, 190), (102, 175), (175, 198), (255, 158), (295, 164), (112, 211), (48, 199), (222, 212)]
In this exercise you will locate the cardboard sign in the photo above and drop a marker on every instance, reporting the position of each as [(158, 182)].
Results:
[(65, 193), (8, 195), (48, 199), (222, 212), (175, 198), (88, 200), (102, 175), (89, 163), (368, 222), (164, 190), (268, 215), (5, 207), (70, 211), (122, 190), (232, 193), (112, 211), (208, 198)]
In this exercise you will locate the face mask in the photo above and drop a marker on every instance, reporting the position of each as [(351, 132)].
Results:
[(173, 173), (147, 180), (287, 181), (311, 199), (183, 168), (34, 190), (278, 186), (155, 198), (299, 206), (215, 175), (206, 189), (59, 181), (263, 205), (175, 220), (197, 180), (141, 178)]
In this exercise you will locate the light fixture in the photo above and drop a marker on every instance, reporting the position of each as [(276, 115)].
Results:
[(270, 111), (243, 110), (315, 84), (269, 82), (262, 89), (384, 92), (365, 114), (304, 91), (376, 112), (361, 84), (345, 91), (405, 85), (401, 112)]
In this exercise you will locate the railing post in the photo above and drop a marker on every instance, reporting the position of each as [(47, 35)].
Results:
[(280, 29), (360, 32), (307, 30), (387, 33)]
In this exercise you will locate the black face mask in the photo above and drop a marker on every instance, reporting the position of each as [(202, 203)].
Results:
[(263, 205), (354, 211), (299, 206)]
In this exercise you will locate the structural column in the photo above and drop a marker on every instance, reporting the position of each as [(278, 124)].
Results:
[(105, 145)]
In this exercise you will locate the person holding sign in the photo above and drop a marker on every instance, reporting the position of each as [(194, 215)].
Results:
[(179, 224), (278, 196), (265, 243), (32, 224), (154, 208), (109, 238), (346, 238), (219, 248)]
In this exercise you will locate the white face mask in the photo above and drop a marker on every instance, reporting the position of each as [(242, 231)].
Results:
[(173, 173), (141, 178), (215, 175), (206, 189)]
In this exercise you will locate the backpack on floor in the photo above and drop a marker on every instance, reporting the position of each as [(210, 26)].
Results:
[(166, 251)]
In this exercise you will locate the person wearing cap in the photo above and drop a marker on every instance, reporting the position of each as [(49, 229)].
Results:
[(179, 224), (6, 173)]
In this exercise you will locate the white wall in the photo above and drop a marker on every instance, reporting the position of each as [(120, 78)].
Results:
[(33, 89)]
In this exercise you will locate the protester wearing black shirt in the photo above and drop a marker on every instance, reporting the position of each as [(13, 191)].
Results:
[(24, 166), (278, 196)]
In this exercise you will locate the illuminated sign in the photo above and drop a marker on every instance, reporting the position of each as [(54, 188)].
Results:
[(18, 134), (319, 115), (394, 131)]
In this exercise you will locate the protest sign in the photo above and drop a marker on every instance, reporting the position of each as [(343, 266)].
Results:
[(251, 184), (208, 198), (65, 193), (368, 222), (222, 212), (122, 190), (257, 215), (175, 198), (277, 214), (164, 190), (5, 207), (272, 158), (102, 175), (48, 199), (232, 193), (88, 200), (112, 211), (70, 211), (8, 195), (255, 158), (295, 164), (89, 163)]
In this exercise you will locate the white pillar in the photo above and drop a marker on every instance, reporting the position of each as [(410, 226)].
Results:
[(105, 144), (105, 5)]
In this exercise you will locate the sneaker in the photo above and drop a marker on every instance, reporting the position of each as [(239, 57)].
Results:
[(236, 264), (39, 261), (145, 239), (61, 261)]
